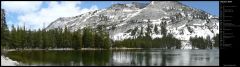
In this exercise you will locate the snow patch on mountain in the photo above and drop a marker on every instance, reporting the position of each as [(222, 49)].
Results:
[(120, 20)]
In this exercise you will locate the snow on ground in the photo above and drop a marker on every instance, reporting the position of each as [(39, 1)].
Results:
[(121, 36), (186, 45), (156, 36), (5, 61)]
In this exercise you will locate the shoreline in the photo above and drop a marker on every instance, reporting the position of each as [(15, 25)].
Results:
[(7, 50), (6, 61), (59, 49)]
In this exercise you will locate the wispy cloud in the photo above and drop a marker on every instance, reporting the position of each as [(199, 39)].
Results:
[(21, 6), (37, 16)]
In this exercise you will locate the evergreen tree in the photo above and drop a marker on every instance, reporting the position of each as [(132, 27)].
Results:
[(106, 41), (13, 38), (149, 30), (80, 38), (156, 29), (141, 32), (163, 29), (98, 40), (66, 37), (75, 41), (216, 40), (134, 31), (209, 42), (28, 40), (39, 39), (4, 30), (87, 38), (199, 42)]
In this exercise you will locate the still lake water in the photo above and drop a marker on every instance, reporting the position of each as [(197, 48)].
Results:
[(153, 57)]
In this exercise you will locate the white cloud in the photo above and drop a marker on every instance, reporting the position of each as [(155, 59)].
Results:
[(44, 16), (21, 6)]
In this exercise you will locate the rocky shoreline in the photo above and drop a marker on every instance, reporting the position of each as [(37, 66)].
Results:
[(5, 61)]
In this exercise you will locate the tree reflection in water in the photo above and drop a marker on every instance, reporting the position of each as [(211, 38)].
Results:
[(117, 57)]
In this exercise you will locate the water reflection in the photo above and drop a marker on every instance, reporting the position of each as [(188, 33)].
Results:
[(61, 58), (167, 58), (117, 58)]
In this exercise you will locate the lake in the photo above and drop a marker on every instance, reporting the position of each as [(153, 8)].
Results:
[(153, 57)]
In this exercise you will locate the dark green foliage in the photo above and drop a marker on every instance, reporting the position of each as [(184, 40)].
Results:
[(76, 40), (98, 41), (149, 29), (145, 41), (200, 42), (106, 40), (4, 31), (20, 38), (216, 40), (141, 32), (128, 31), (113, 27), (167, 42), (88, 40), (134, 31), (163, 28), (190, 30), (99, 58), (156, 29)]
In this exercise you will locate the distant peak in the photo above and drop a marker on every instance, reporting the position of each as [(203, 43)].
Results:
[(128, 5), (165, 2)]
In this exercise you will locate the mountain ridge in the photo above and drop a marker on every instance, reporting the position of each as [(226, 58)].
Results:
[(182, 21)]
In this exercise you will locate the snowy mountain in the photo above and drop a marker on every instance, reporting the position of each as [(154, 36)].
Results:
[(121, 19)]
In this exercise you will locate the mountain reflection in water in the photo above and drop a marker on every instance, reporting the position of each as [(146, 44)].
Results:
[(154, 57)]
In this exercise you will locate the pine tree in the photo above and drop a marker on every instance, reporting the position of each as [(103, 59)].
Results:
[(106, 41), (98, 40), (199, 42), (209, 42), (149, 30), (80, 38), (134, 31), (156, 29), (28, 40), (13, 36), (163, 29), (39, 39), (92, 40), (141, 32), (75, 41), (66, 37), (87, 38), (216, 41), (4, 30)]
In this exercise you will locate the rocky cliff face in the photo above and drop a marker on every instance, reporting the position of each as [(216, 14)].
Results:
[(121, 19)]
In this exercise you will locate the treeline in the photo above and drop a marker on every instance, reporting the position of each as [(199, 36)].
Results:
[(55, 38), (201, 43), (20, 38), (166, 42)]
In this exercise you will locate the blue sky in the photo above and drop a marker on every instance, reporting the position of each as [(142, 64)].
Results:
[(211, 7), (36, 14)]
